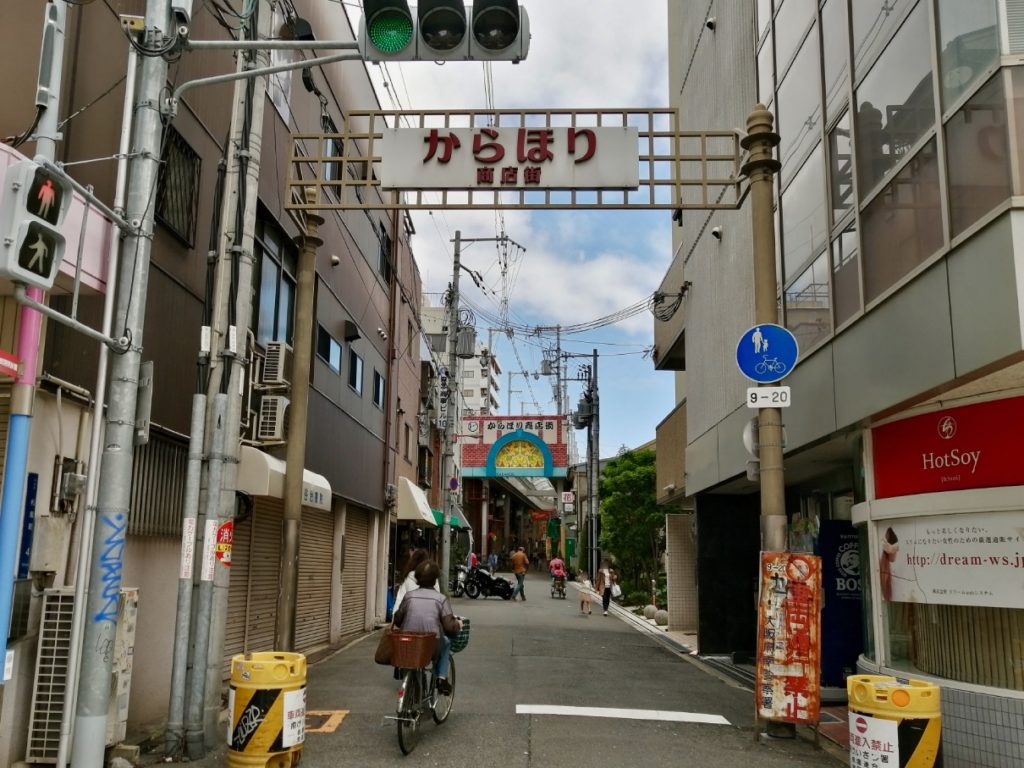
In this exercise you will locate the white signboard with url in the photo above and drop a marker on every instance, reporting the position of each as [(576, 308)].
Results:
[(768, 397)]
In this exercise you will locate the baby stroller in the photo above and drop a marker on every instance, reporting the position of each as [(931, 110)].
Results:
[(558, 587)]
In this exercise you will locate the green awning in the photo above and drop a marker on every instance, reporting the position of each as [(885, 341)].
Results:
[(458, 521)]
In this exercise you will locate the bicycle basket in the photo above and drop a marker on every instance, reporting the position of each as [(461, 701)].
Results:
[(461, 640), (412, 650)]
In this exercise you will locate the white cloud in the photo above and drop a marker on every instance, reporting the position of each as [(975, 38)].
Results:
[(578, 266)]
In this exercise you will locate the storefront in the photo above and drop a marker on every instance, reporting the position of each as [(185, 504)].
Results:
[(256, 560), (944, 533)]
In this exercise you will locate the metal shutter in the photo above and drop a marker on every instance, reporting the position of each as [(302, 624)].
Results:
[(316, 556), (353, 577), (252, 597)]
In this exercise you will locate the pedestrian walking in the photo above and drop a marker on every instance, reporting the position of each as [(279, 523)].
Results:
[(416, 557), (492, 561), (605, 579), (585, 597), (520, 565)]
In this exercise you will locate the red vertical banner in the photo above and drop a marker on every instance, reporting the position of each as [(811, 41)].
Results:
[(789, 638)]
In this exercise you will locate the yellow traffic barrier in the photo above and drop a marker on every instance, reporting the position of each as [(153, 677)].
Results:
[(893, 723), (266, 710)]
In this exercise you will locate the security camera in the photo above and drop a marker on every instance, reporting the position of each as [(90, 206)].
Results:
[(716, 232), (710, 23), (335, 261)]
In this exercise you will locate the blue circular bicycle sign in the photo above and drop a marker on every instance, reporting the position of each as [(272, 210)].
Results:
[(766, 353)]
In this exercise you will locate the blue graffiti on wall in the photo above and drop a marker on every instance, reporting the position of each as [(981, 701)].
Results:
[(111, 561)]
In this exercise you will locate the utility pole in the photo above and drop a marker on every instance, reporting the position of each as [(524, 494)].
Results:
[(448, 457), (114, 496), (222, 418), (595, 466), (761, 168), (298, 411)]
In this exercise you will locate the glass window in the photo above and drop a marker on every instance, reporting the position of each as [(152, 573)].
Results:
[(968, 44), (978, 156), (355, 371), (895, 103), (799, 108), (902, 227), (766, 73), (804, 225), (835, 46), (845, 274), (279, 84), (873, 22), (378, 389), (407, 441), (276, 297), (764, 15), (808, 310), (790, 26), (327, 349), (840, 168), (384, 255)]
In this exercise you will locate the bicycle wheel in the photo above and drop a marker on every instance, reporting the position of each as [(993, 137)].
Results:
[(780, 367), (408, 711), (443, 702), (761, 369)]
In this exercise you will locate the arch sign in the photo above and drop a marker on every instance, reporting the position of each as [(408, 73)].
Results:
[(631, 158), (521, 446)]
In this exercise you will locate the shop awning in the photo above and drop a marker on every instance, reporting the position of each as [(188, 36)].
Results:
[(459, 522), (260, 474), (413, 504)]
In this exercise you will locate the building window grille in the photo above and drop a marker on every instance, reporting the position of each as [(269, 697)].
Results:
[(158, 487), (177, 192)]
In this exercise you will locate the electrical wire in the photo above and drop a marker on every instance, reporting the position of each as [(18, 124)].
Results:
[(21, 138)]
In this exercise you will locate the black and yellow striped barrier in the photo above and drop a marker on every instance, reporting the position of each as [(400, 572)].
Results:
[(899, 721), (267, 710)]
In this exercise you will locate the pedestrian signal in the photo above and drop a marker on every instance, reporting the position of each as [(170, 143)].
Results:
[(35, 202)]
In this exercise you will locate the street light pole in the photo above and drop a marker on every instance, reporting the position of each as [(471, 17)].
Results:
[(448, 457)]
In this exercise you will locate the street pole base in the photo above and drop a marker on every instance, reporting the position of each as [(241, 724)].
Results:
[(779, 729)]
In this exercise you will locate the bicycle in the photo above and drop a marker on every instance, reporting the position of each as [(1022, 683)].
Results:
[(419, 692), (770, 364)]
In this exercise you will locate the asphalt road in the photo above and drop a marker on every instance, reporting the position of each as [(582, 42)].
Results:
[(544, 652)]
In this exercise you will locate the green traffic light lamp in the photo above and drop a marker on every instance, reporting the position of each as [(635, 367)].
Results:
[(389, 24)]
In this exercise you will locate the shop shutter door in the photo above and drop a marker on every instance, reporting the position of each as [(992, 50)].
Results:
[(238, 592), (353, 577), (255, 575), (316, 556)]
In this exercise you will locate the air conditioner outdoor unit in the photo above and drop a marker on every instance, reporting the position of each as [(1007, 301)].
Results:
[(50, 684), (271, 424), (277, 366)]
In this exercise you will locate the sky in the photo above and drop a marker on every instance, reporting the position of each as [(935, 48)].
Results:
[(577, 266)]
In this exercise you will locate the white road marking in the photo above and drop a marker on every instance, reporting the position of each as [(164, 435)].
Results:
[(622, 714)]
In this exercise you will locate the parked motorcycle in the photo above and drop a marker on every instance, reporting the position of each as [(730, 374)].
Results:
[(459, 587), (481, 583)]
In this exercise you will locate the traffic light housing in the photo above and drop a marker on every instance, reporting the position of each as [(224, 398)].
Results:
[(35, 203), (443, 30)]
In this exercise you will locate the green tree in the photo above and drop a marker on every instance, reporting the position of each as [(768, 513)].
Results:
[(631, 521)]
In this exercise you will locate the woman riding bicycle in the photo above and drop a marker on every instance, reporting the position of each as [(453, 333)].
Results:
[(426, 610)]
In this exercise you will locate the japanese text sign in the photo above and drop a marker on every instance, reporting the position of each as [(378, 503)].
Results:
[(510, 158), (789, 637), (874, 742)]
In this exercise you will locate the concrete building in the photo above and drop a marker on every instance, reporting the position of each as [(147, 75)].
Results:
[(900, 263), (364, 375)]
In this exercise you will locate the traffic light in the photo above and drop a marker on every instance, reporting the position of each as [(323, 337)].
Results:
[(35, 202), (441, 30)]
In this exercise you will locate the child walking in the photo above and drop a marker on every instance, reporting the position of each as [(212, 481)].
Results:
[(585, 597)]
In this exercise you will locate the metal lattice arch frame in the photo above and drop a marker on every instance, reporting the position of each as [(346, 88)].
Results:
[(677, 169)]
